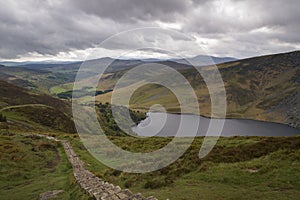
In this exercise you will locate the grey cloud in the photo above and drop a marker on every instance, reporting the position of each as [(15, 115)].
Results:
[(46, 29), (134, 10), (237, 22), (239, 27)]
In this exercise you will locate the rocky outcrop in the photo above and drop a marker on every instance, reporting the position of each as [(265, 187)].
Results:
[(289, 108), (95, 186)]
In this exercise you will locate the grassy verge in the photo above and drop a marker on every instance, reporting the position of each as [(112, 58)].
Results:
[(30, 166)]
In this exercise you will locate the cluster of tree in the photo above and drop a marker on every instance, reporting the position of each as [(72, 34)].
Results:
[(2, 118), (108, 123), (80, 93)]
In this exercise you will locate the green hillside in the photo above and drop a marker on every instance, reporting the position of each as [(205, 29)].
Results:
[(262, 88)]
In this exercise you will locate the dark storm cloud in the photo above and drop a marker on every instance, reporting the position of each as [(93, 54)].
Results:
[(37, 26), (228, 27), (134, 10)]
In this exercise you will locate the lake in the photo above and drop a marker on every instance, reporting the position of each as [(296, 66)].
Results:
[(165, 124)]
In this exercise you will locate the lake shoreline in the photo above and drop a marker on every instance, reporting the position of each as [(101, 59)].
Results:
[(163, 124), (233, 118)]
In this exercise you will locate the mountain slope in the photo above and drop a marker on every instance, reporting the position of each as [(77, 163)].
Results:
[(262, 88), (267, 87)]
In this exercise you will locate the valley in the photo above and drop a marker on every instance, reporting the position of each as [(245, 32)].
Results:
[(150, 100), (262, 88), (37, 101)]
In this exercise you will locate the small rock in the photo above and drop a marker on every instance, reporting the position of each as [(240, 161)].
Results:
[(50, 194)]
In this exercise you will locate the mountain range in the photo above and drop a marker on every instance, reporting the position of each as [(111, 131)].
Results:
[(200, 60), (262, 88)]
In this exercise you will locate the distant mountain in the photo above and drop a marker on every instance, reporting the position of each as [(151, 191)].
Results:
[(48, 62), (203, 60), (91, 66), (116, 64)]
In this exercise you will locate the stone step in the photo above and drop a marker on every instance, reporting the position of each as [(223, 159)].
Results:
[(95, 186)]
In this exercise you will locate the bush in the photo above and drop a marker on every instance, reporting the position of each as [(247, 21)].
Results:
[(128, 183), (108, 123), (43, 146), (2, 118), (158, 182)]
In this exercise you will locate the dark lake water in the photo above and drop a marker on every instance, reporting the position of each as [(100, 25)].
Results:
[(164, 124)]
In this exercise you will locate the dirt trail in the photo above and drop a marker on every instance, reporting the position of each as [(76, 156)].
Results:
[(22, 106)]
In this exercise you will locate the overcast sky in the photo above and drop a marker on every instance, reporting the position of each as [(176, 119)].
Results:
[(69, 29)]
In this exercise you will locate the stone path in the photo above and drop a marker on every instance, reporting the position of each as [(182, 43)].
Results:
[(93, 185)]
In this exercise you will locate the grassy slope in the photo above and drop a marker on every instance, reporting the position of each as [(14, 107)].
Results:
[(30, 166), (11, 95), (47, 119), (239, 167), (28, 110)]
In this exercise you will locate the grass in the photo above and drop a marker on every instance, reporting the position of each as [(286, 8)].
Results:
[(237, 168), (47, 118), (30, 166), (61, 88)]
